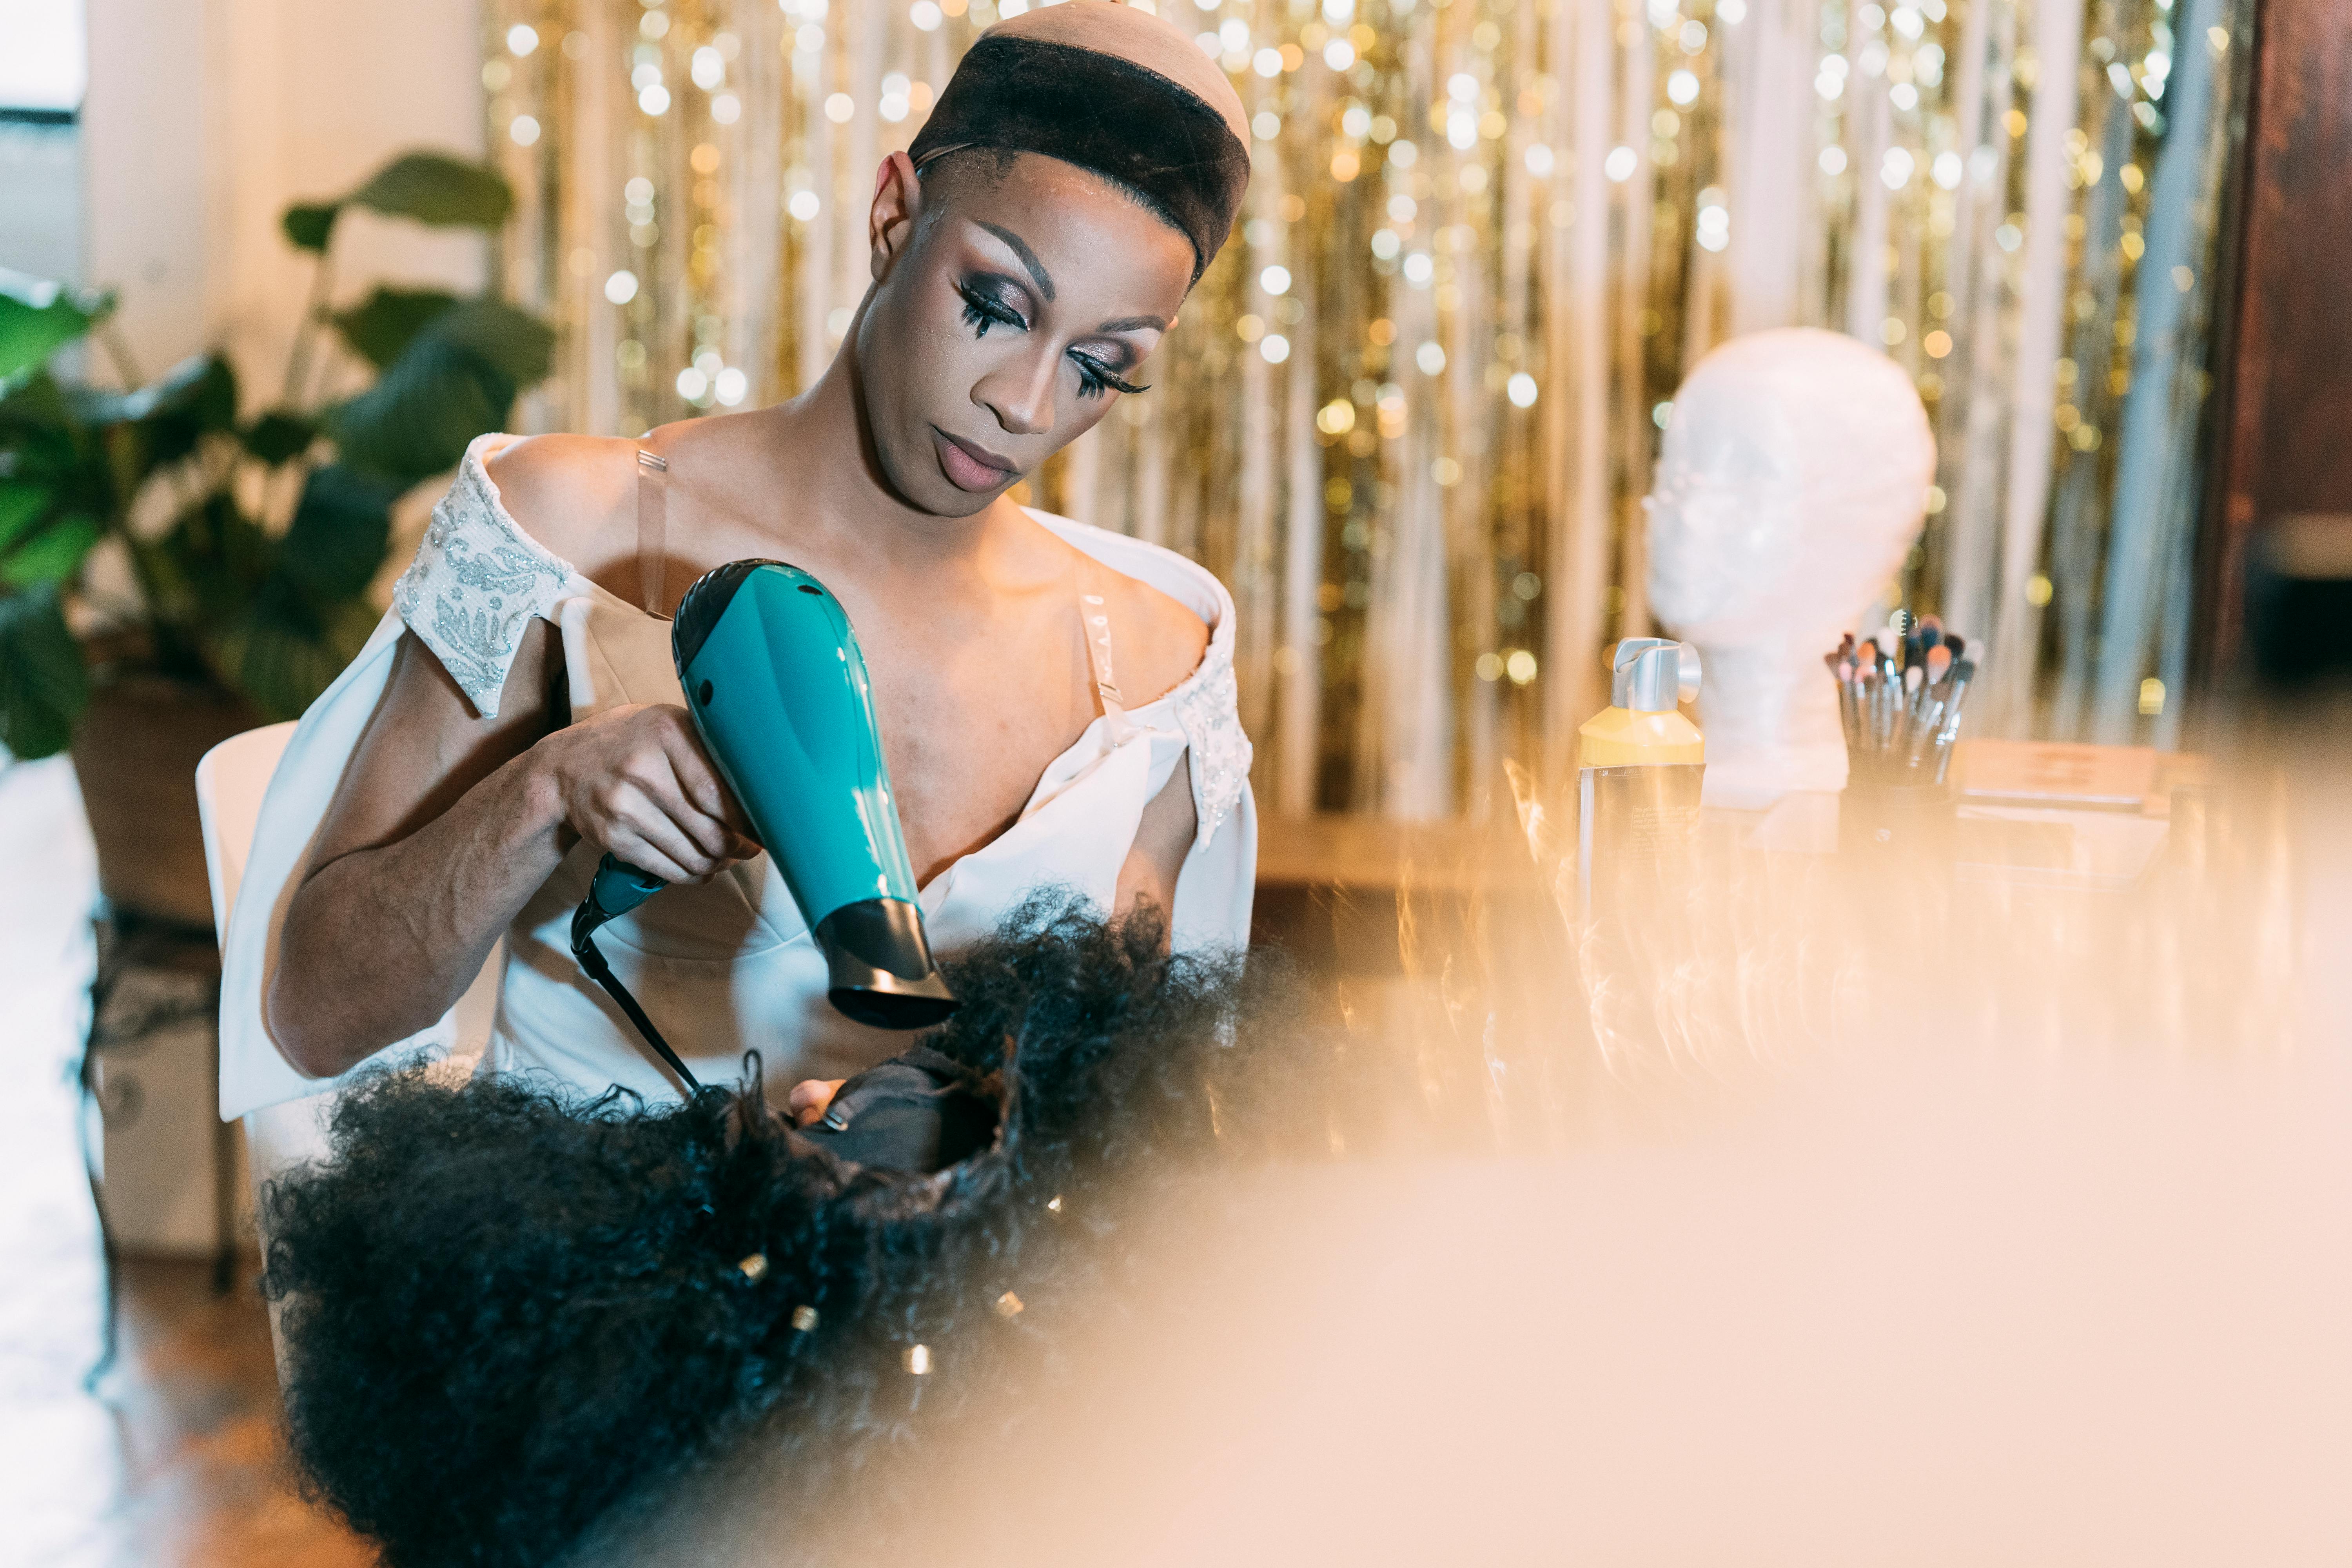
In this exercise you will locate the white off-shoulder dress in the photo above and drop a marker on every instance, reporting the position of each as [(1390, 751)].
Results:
[(727, 966)]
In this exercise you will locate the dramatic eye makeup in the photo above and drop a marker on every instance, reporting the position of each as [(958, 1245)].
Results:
[(1095, 378), (985, 306)]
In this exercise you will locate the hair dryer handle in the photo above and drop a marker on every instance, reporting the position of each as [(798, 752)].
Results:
[(619, 887)]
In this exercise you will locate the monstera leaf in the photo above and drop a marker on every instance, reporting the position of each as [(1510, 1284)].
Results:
[(43, 686), (430, 187), (76, 454), (21, 507), (456, 379), (38, 317), (41, 542), (385, 323), (162, 421), (52, 555), (518, 346), (341, 527), (284, 649), (279, 435)]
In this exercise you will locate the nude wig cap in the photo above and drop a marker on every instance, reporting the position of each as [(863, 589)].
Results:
[(1112, 90)]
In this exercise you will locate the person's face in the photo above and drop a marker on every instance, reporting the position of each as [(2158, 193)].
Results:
[(1005, 323)]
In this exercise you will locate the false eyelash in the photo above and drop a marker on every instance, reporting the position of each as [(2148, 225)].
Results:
[(1094, 379), (981, 312)]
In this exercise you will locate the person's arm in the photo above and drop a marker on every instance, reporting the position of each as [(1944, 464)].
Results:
[(1162, 839), (445, 823), (444, 827)]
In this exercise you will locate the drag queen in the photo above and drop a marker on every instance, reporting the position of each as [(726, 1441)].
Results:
[(1056, 703)]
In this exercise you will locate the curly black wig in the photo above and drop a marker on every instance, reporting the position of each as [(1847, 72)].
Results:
[(506, 1311)]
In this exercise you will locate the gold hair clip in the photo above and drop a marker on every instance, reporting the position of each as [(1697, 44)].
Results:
[(754, 1268), (1053, 1204), (917, 1359), (804, 1319), (1008, 1306)]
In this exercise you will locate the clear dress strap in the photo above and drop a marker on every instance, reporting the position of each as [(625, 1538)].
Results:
[(1094, 615), (653, 553)]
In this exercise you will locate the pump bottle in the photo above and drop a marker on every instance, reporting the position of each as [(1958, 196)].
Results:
[(1639, 767)]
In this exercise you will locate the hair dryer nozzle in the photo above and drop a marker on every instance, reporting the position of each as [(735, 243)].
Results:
[(879, 966)]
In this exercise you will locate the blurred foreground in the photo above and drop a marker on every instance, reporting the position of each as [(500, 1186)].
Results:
[(1833, 1211), (1887, 1217)]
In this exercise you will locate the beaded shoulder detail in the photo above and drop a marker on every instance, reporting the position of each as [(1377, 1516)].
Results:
[(1208, 710), (476, 583)]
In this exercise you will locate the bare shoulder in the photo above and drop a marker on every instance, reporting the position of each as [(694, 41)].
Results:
[(1159, 642), (574, 494)]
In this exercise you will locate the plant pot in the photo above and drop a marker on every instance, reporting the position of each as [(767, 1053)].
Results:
[(136, 749)]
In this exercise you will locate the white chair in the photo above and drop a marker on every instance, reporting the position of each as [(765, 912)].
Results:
[(231, 781)]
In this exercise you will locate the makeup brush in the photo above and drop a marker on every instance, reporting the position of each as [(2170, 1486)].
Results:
[(1949, 732), (1915, 681), (1890, 678), (1962, 673), (1840, 668), (1937, 664), (1849, 708), (1929, 712)]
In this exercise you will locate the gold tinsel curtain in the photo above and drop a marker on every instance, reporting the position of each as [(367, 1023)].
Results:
[(1409, 414)]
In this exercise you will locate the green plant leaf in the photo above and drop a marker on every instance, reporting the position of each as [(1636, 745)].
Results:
[(380, 326), (309, 225), (207, 567), (52, 555), (43, 685), (279, 436), (201, 387), (37, 316), (516, 343), (283, 650), (342, 528), (435, 188), (37, 403), (194, 398), (41, 444), (415, 421), (456, 380), (21, 506)]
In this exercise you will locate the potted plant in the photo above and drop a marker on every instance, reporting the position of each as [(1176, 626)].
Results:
[(174, 570)]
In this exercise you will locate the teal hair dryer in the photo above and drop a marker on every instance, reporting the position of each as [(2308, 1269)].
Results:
[(779, 693)]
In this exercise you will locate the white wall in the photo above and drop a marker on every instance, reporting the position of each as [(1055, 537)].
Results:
[(204, 118)]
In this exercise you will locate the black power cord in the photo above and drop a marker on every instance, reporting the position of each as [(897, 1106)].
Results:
[(584, 922)]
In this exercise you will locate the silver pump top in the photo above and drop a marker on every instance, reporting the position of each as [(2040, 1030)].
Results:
[(1650, 675)]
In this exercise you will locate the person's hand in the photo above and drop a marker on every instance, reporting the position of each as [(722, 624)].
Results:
[(634, 782), (811, 1097)]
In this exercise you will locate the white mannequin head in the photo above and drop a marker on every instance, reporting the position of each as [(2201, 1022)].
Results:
[(1792, 480)]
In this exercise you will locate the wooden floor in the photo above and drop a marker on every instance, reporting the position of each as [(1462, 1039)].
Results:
[(174, 1460)]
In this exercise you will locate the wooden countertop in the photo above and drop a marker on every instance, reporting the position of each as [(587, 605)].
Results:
[(1333, 850)]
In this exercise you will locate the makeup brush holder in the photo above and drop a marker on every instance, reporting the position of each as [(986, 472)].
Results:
[(1896, 821)]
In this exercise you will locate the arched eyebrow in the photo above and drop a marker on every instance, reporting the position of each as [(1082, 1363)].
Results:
[(1130, 323), (1037, 273)]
